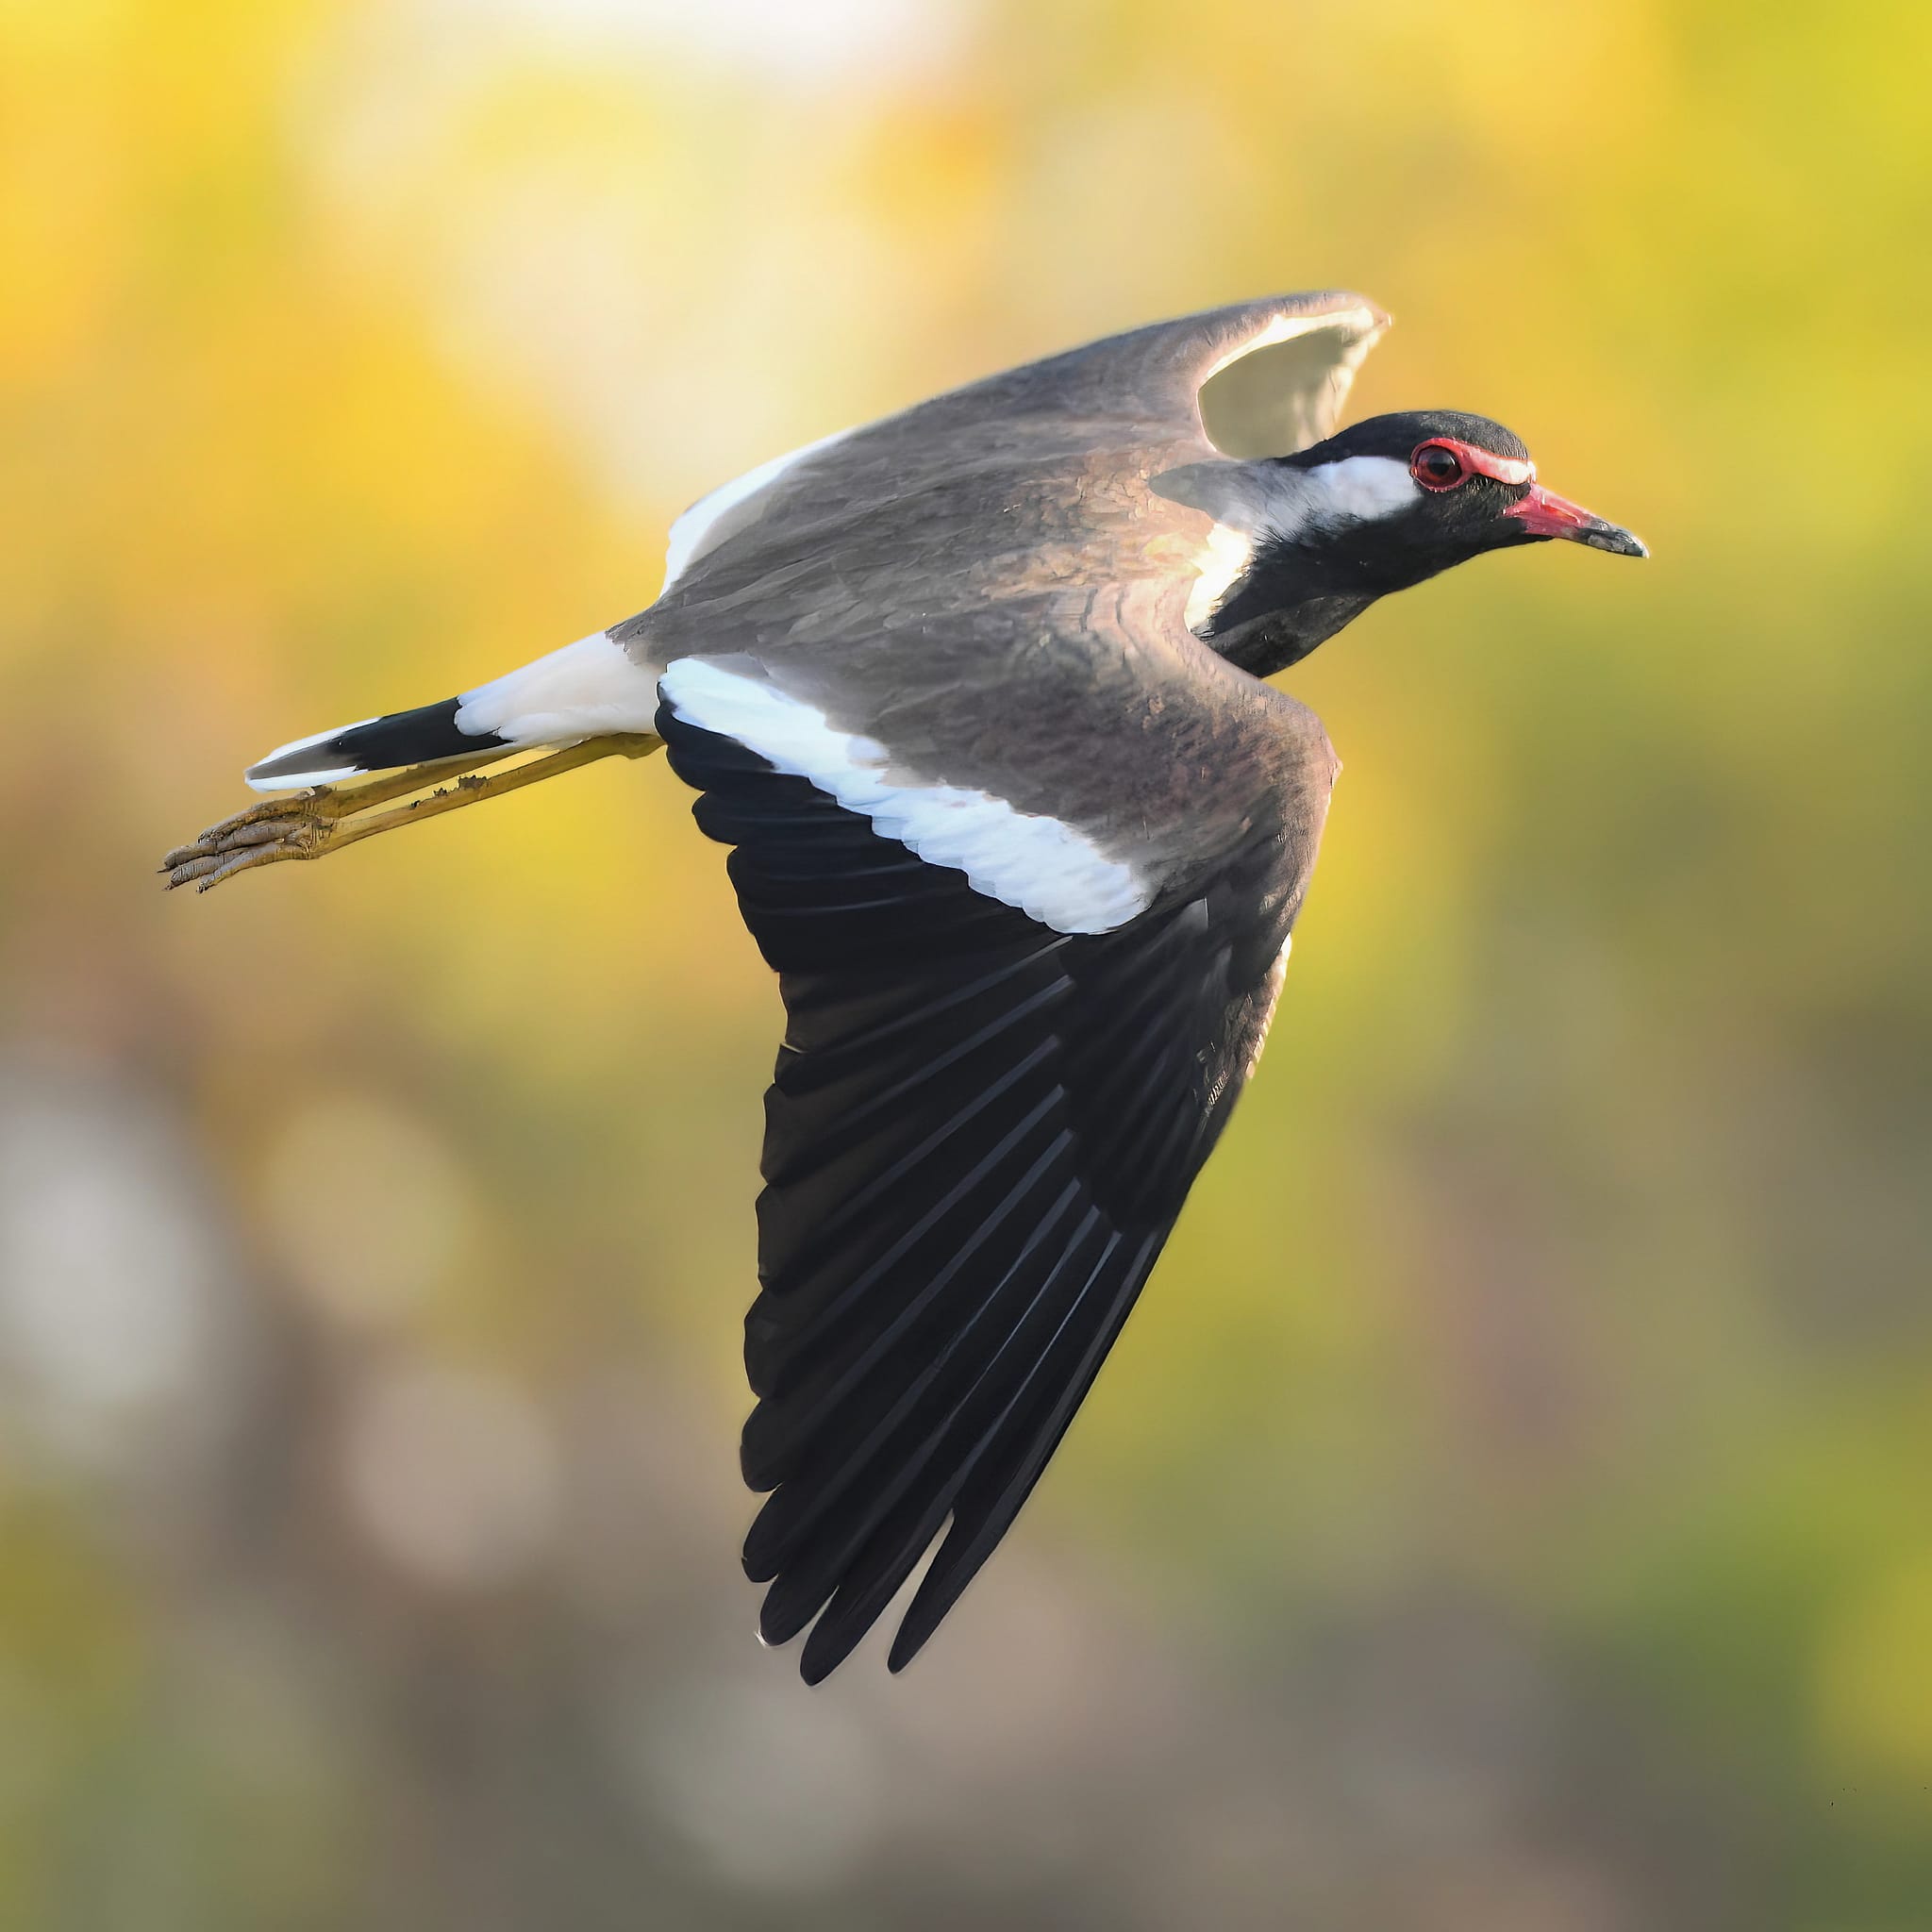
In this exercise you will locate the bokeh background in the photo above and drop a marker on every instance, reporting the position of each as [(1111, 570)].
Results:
[(1511, 1508)]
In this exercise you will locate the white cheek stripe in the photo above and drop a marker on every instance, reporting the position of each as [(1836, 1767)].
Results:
[(1360, 489), (1324, 498), (709, 520), (583, 691), (1051, 872)]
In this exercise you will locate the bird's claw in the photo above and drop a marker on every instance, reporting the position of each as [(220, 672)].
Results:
[(289, 827)]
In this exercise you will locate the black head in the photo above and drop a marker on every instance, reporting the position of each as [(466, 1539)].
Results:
[(1381, 506), (1397, 498)]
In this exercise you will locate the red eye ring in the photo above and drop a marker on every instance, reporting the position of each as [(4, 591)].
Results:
[(1438, 465), (1444, 463)]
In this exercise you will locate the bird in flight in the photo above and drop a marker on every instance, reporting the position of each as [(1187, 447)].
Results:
[(977, 695)]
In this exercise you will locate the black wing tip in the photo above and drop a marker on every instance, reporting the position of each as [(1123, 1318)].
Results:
[(814, 1673), (908, 1641), (818, 1660), (822, 1656)]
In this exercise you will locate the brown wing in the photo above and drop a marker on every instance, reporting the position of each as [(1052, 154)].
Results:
[(1041, 469)]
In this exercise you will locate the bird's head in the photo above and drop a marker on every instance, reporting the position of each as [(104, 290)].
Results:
[(1313, 538), (1397, 498)]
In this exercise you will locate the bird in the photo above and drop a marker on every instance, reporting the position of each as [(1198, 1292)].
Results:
[(977, 696)]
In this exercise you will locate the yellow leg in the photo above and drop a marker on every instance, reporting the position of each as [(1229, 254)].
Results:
[(307, 824)]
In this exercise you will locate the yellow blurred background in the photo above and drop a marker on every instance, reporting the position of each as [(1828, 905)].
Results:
[(1511, 1508)]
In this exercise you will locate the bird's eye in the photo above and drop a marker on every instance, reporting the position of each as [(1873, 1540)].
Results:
[(1436, 466)]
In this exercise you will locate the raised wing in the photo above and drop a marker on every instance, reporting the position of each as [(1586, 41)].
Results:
[(1079, 432)]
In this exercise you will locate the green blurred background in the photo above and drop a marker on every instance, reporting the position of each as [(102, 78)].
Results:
[(1511, 1508)]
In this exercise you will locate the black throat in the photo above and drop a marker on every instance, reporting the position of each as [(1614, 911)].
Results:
[(1257, 636), (1295, 596)]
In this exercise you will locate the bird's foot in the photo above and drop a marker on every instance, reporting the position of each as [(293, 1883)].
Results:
[(306, 825), (325, 818), (292, 826)]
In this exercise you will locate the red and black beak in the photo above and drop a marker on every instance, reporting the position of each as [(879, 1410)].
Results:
[(1543, 513)]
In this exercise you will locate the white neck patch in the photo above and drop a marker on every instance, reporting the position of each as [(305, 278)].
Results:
[(1050, 871), (1224, 557)]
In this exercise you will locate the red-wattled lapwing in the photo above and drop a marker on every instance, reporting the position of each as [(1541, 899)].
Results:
[(976, 692)]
